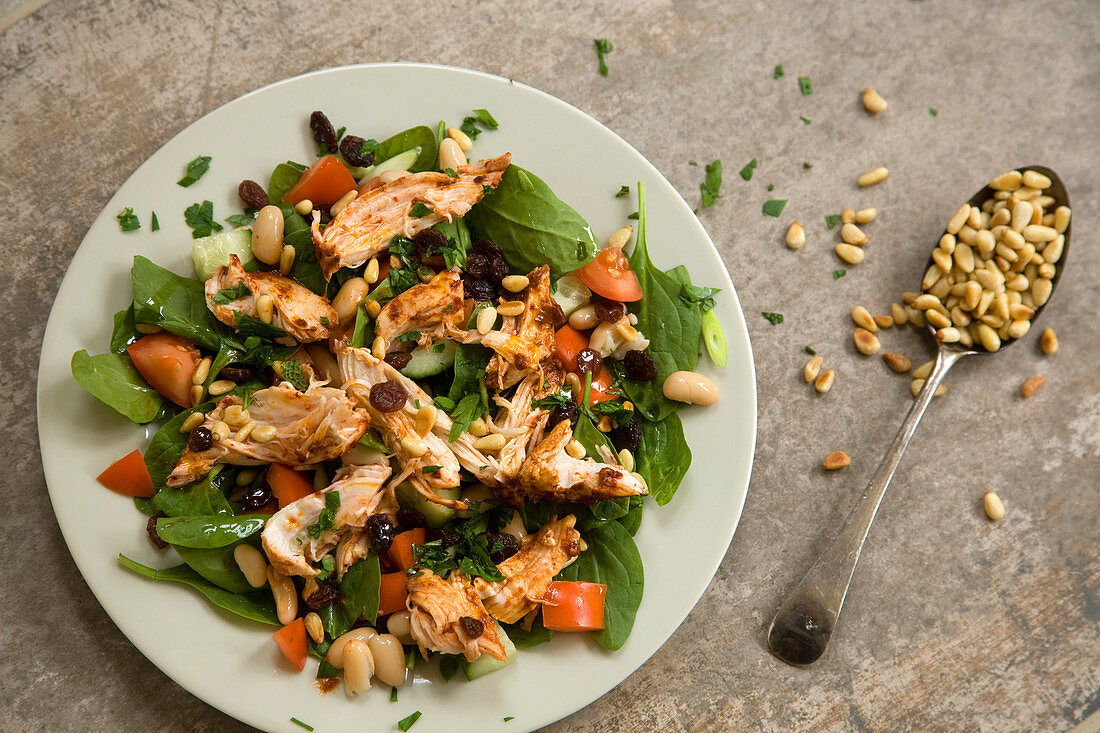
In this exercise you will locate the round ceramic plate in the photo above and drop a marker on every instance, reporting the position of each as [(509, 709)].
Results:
[(235, 666)]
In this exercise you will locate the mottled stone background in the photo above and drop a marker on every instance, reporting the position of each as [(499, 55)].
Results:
[(953, 623)]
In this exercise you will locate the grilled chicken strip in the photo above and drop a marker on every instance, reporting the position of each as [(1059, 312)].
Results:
[(365, 226), (447, 616), (299, 311), (317, 425), (522, 424), (434, 309), (286, 539), (524, 341), (551, 473), (528, 573)]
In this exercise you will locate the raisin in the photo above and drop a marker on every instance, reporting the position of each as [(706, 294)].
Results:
[(151, 530), (628, 436), (476, 265), (398, 359), (323, 597), (565, 411), (380, 532), (252, 194), (411, 519), (236, 373), (609, 311), (640, 365), (388, 396), (487, 248), (472, 626), (324, 213), (200, 439), (449, 538), (351, 147), (323, 132), (497, 270), (478, 289), (430, 241), (588, 360), (255, 499), (509, 545)]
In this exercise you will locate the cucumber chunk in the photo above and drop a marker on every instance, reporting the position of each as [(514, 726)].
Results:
[(399, 162), (570, 293), (430, 361), (210, 253), (486, 664), (436, 514)]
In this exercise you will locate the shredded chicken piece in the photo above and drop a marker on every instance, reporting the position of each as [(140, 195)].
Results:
[(434, 309), (520, 421), (524, 341), (298, 311), (286, 539), (528, 573), (365, 226), (551, 473), (436, 609), (317, 425)]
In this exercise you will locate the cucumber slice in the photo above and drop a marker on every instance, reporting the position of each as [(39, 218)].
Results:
[(485, 664), (570, 293), (210, 253), (399, 162), (436, 514), (429, 361)]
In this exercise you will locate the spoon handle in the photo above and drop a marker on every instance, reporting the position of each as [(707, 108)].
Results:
[(801, 628)]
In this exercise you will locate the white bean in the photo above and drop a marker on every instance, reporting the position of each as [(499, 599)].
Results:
[(335, 655), (286, 598), (252, 563), (348, 299), (389, 659), (358, 667), (400, 626), (267, 235), (690, 387)]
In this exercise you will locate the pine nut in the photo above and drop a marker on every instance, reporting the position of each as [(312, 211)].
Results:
[(967, 234), (1035, 179), (246, 476), (796, 236), (399, 624), (1027, 194), (378, 348), (897, 362), (1021, 216), (863, 319), (219, 430), (286, 259), (335, 654), (949, 335), (626, 459), (235, 416), (852, 234), (1041, 290), (414, 447), (267, 235), (1001, 217), (964, 257), (926, 301), (931, 276), (584, 318), (370, 272), (1048, 341), (959, 317), (1031, 386), (866, 216), (812, 369), (990, 340), (1007, 181), (1018, 328), (511, 308), (575, 449), (1053, 251), (898, 313), (974, 218), (916, 317), (252, 563), (196, 394), (202, 371), (994, 507), (462, 139), (909, 296), (836, 459), (825, 381), (847, 216), (282, 590), (942, 259), (873, 101), (958, 219), (870, 178), (221, 386), (515, 283), (478, 427), (425, 419), (303, 207), (314, 627), (1038, 233), (490, 442), (574, 382), (884, 321), (265, 308), (937, 318), (358, 667), (451, 155), (849, 253), (621, 236), (373, 308), (487, 318), (918, 384), (263, 433), (389, 659), (1061, 219), (343, 201), (194, 420)]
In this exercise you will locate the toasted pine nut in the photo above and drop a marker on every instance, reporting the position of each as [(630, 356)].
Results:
[(1041, 290), (286, 259), (812, 369), (994, 507), (389, 659), (265, 308), (462, 139), (267, 235), (221, 386), (478, 427), (196, 394), (314, 628), (918, 384), (451, 155), (511, 308), (413, 446), (847, 216), (621, 236), (1031, 386), (264, 433), (1048, 341), (1039, 233), (486, 319), (343, 201), (425, 419), (490, 442), (1009, 181), (955, 223), (923, 370), (575, 449), (1035, 179), (282, 590), (626, 459), (852, 234), (865, 341), (373, 308), (303, 207), (690, 387), (884, 321), (897, 362), (1053, 251), (349, 297), (916, 317), (863, 319), (1018, 328), (235, 416), (1061, 219), (836, 459), (796, 235), (873, 102), (584, 318), (370, 273), (949, 335), (849, 253), (870, 178), (898, 313), (865, 216), (196, 419), (515, 283), (1021, 215), (378, 348), (824, 382), (990, 340), (926, 301)]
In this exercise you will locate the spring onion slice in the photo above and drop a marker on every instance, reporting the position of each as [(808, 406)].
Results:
[(714, 339)]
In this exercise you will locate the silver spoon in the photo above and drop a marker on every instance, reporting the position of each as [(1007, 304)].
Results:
[(801, 628)]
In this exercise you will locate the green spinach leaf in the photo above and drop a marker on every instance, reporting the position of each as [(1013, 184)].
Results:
[(217, 565), (591, 438), (113, 380), (208, 532), (282, 180), (125, 331), (632, 520), (200, 499), (361, 587), (334, 620), (663, 457), (470, 363), (422, 137), (176, 304), (167, 446), (538, 634)]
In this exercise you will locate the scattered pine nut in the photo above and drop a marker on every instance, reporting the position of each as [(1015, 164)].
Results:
[(873, 101), (221, 386), (812, 369), (1048, 342), (865, 216), (194, 420), (263, 433), (994, 507), (884, 321), (899, 314), (463, 140), (897, 362), (825, 381), (852, 234), (343, 201), (575, 449), (373, 308), (511, 308), (871, 177), (202, 371), (620, 237), (850, 253), (796, 236), (1031, 386), (848, 216), (917, 384), (866, 342), (515, 283), (863, 319), (836, 459), (490, 442)]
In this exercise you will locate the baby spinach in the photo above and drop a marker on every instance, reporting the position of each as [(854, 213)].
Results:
[(201, 499), (422, 137), (282, 180), (663, 457), (632, 520), (470, 363), (253, 326), (216, 565), (259, 607), (532, 226), (175, 303), (167, 446), (458, 242), (125, 331), (612, 558), (296, 233), (334, 620), (211, 531), (523, 639), (361, 587), (113, 380)]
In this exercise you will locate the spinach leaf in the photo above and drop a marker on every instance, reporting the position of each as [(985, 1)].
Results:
[(458, 242), (216, 565), (255, 327), (612, 558), (125, 331), (532, 226), (470, 363), (167, 446), (362, 332), (600, 512), (360, 588), (588, 435), (420, 136), (208, 532), (282, 180), (334, 620), (113, 380), (259, 607), (663, 457), (632, 520), (538, 634), (176, 304), (200, 499), (306, 269)]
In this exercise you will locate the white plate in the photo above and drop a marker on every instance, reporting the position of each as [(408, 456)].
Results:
[(234, 666)]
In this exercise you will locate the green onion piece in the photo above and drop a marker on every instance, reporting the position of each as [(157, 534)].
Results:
[(805, 85), (714, 339), (307, 726)]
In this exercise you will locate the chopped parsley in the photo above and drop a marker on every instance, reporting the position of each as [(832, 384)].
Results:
[(486, 119), (805, 120), (471, 555), (809, 350), (778, 71), (746, 172), (127, 220), (623, 191), (633, 216), (603, 46), (393, 694), (831, 220), (408, 336), (837, 274), (693, 162), (225, 296), (478, 117), (154, 225), (325, 321), (327, 516), (327, 566), (419, 210), (200, 217), (807, 166), (405, 723), (510, 717), (774, 318), (307, 726), (241, 220), (771, 186), (933, 111), (450, 172), (196, 169), (712, 183), (291, 371), (430, 470), (774, 207), (805, 86)]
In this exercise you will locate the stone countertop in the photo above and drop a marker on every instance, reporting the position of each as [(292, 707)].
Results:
[(953, 622)]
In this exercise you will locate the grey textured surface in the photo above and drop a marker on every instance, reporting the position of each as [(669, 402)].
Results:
[(953, 623)]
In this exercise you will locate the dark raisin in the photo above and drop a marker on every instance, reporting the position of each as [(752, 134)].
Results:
[(640, 365), (588, 360), (565, 411), (255, 499), (236, 373), (323, 132), (325, 213), (411, 519), (478, 289), (509, 546), (323, 597), (151, 530), (449, 538), (487, 248), (609, 311), (398, 359), (472, 626), (476, 264), (497, 270), (200, 439), (430, 241), (351, 147), (252, 194), (388, 396), (380, 531), (627, 436)]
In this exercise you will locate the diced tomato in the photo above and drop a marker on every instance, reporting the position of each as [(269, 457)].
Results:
[(128, 475), (288, 485), (292, 642), (568, 342), (167, 363), (573, 606), (602, 387), (393, 593), (324, 183), (401, 551), (610, 275)]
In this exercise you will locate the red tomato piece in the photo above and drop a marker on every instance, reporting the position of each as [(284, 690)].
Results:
[(292, 642), (610, 275), (392, 593), (288, 485), (568, 342), (128, 475), (571, 605), (324, 183), (401, 552), (602, 387), (167, 363)]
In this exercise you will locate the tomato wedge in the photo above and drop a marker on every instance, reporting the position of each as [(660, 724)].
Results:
[(392, 593), (568, 342), (572, 605), (128, 475), (292, 642), (602, 387), (610, 275), (288, 485), (324, 183), (167, 363), (401, 551)]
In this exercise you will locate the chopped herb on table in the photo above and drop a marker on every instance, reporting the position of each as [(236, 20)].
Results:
[(933, 111), (510, 717), (603, 46), (837, 274), (623, 191), (774, 318), (805, 120), (127, 220), (774, 207), (746, 172), (805, 86), (712, 183), (778, 71), (196, 169), (393, 694), (405, 723), (807, 166), (831, 220), (693, 162), (154, 225), (478, 117), (809, 350)]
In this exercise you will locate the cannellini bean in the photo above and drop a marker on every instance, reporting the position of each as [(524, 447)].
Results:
[(267, 235), (358, 667), (286, 598), (690, 387), (349, 297), (335, 655), (400, 626), (389, 659), (252, 563), (387, 177), (584, 318), (451, 155)]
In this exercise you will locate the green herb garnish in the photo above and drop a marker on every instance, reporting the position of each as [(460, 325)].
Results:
[(291, 371), (778, 71), (933, 111), (196, 169), (427, 470), (154, 225), (307, 726), (478, 117), (837, 274), (774, 207), (127, 220), (393, 694), (805, 86), (240, 220), (623, 191), (712, 183), (419, 210), (809, 350), (327, 516), (831, 220), (807, 166), (405, 723), (603, 46), (774, 318), (746, 172), (450, 172), (225, 296), (510, 717), (805, 120), (200, 217), (408, 336)]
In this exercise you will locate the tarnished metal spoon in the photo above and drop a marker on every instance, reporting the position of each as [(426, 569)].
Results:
[(802, 627)]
